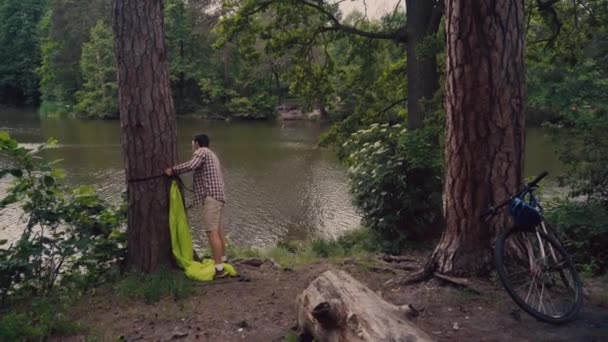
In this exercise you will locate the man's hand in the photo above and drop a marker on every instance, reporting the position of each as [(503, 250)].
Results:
[(169, 172)]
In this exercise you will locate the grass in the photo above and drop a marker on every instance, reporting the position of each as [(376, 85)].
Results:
[(291, 254), (291, 337), (40, 318), (153, 287)]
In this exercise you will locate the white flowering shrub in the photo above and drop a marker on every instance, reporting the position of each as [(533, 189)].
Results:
[(396, 181)]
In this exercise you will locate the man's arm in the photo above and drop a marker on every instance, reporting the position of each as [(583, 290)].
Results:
[(197, 159)]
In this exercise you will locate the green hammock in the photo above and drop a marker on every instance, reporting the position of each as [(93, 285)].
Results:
[(181, 241)]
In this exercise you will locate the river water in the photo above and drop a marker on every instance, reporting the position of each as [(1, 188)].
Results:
[(279, 184)]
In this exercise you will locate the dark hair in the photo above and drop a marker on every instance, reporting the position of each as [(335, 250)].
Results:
[(202, 140)]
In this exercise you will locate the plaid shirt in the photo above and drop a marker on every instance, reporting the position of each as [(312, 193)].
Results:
[(208, 180)]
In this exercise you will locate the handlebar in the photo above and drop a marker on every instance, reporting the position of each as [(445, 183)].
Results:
[(537, 179), (491, 211)]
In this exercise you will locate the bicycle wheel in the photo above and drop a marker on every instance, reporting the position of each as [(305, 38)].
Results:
[(539, 275)]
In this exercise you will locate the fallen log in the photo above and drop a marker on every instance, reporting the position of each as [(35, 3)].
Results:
[(336, 307)]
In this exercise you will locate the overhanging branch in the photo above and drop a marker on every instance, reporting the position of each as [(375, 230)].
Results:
[(399, 35)]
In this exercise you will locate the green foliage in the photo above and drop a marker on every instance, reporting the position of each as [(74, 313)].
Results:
[(64, 30), (584, 228), (569, 70), (260, 106), (357, 243), (72, 237), (344, 74), (98, 97), (568, 83), (20, 52), (156, 286), (396, 179), (40, 319), (582, 144)]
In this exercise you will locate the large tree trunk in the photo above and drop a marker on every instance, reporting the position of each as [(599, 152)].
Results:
[(336, 307), (484, 130), (423, 19), (147, 119)]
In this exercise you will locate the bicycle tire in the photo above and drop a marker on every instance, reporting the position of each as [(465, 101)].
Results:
[(511, 290)]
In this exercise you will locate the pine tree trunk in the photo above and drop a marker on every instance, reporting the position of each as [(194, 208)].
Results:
[(422, 75), (485, 89), (147, 119)]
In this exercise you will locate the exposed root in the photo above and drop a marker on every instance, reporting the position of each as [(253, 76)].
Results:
[(460, 282), (453, 280), (423, 275)]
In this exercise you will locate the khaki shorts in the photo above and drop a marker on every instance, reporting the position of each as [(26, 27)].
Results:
[(213, 214)]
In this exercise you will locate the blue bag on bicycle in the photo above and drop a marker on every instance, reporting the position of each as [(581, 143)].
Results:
[(524, 214)]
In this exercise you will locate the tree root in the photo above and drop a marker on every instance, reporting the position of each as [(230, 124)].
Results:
[(428, 272)]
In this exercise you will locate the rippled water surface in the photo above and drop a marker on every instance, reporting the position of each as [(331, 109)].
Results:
[(279, 184)]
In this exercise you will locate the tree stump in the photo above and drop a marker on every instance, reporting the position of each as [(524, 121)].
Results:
[(336, 307)]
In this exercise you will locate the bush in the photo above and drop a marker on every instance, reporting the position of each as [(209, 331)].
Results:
[(42, 318), (72, 237), (582, 144), (584, 228), (396, 180), (257, 107)]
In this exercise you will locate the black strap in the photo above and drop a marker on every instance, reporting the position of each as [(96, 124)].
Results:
[(143, 179), (175, 177)]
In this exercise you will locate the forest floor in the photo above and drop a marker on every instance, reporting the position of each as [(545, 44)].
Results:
[(260, 306)]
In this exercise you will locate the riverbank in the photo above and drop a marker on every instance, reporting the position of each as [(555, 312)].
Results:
[(263, 309), (259, 305)]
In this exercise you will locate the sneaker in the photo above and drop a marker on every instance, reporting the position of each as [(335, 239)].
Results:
[(220, 274)]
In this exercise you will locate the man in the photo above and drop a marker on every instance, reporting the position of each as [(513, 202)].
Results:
[(208, 192)]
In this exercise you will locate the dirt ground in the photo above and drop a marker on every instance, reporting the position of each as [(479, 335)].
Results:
[(262, 309)]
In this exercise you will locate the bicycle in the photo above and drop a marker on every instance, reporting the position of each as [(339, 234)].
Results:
[(532, 263)]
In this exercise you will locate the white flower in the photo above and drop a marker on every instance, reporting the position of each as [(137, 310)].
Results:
[(396, 125), (345, 144), (377, 144), (383, 130), (374, 125), (366, 144), (384, 125), (383, 193)]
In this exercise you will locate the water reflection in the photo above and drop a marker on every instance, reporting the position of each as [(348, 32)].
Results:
[(279, 184)]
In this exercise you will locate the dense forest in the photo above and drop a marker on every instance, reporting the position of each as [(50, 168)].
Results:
[(428, 109), (58, 54)]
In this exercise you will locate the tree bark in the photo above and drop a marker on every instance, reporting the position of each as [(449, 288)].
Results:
[(336, 307), (147, 119), (485, 90), (422, 75)]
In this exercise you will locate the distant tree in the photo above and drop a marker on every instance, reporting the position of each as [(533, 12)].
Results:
[(98, 97), (19, 50)]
